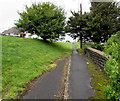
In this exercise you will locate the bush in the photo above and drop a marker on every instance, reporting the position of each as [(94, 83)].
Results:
[(98, 46), (112, 67)]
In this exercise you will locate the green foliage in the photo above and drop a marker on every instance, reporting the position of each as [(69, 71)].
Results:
[(77, 24), (112, 66), (0, 65), (24, 59), (99, 80), (43, 19), (80, 50), (98, 46), (96, 26), (103, 18), (95, 45)]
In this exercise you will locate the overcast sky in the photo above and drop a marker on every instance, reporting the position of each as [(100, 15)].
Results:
[(9, 9)]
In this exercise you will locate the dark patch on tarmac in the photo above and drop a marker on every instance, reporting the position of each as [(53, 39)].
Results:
[(79, 78), (48, 86)]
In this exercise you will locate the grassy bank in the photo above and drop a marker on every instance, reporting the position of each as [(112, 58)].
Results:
[(24, 59), (99, 80)]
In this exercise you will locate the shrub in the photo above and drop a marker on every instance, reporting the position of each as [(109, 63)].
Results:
[(112, 67), (98, 46)]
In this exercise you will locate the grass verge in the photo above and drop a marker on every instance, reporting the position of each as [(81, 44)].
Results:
[(99, 79), (24, 59), (81, 51)]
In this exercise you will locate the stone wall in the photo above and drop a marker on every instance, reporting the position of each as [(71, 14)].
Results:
[(97, 56)]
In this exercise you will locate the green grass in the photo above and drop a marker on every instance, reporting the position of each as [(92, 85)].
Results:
[(81, 51), (0, 67), (24, 59), (99, 80), (77, 44)]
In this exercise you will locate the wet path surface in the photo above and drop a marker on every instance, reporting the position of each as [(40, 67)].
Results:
[(48, 86), (79, 87)]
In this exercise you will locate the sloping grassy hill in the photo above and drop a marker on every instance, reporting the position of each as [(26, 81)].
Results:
[(24, 59)]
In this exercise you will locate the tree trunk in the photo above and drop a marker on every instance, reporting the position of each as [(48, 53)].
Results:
[(81, 41), (44, 37)]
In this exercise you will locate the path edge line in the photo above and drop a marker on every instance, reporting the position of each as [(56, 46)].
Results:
[(66, 90)]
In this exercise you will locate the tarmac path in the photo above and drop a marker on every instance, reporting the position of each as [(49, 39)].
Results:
[(79, 87), (49, 85)]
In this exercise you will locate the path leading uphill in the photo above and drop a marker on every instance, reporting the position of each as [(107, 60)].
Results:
[(79, 87), (50, 85)]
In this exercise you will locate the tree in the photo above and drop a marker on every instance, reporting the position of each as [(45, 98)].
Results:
[(44, 19), (77, 26), (98, 25), (104, 22)]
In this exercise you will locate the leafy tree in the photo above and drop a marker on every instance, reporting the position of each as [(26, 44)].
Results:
[(98, 25), (104, 20), (77, 24), (44, 19)]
